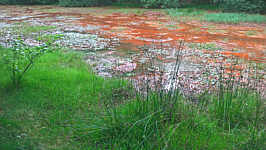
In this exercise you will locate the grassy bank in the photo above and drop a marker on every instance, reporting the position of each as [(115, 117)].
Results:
[(217, 17), (58, 94), (62, 105)]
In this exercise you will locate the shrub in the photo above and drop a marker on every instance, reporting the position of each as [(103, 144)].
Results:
[(162, 3), (47, 1), (250, 6), (82, 3), (28, 2), (20, 58)]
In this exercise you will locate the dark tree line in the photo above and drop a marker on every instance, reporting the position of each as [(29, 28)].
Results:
[(250, 6)]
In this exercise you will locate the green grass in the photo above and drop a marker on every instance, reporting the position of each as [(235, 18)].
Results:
[(26, 29), (204, 46), (217, 17), (185, 12), (137, 11), (57, 96), (233, 18), (62, 105), (34, 29), (251, 33), (127, 4), (203, 6)]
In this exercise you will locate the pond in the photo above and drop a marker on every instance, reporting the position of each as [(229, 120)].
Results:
[(125, 42)]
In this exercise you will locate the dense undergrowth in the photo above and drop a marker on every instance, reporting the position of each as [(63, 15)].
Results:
[(62, 105)]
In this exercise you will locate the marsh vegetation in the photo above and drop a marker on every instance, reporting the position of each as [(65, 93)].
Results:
[(183, 78)]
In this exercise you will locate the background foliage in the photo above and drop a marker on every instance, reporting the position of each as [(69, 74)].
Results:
[(249, 6), (28, 2), (83, 3), (161, 3)]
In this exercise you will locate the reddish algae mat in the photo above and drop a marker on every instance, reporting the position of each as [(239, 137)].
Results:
[(122, 42), (247, 41)]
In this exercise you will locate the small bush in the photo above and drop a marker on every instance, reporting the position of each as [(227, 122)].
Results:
[(20, 58)]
